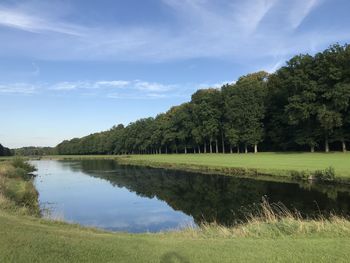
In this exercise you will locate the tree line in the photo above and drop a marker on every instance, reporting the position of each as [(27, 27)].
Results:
[(304, 105), (4, 151), (35, 151)]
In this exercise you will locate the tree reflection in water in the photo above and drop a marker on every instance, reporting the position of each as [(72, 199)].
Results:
[(209, 198)]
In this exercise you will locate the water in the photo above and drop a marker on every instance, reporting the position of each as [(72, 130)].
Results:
[(103, 194)]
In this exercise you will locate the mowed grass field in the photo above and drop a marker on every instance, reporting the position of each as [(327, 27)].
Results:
[(28, 239), (266, 162), (273, 163)]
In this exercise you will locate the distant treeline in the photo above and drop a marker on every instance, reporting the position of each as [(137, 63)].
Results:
[(5, 151), (303, 105), (35, 151)]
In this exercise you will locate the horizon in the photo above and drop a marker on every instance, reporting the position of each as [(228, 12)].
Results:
[(72, 69)]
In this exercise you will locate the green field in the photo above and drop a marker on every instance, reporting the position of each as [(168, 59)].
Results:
[(26, 239), (267, 162), (278, 164)]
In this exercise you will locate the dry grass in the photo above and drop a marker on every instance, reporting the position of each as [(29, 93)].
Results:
[(274, 221), (17, 192)]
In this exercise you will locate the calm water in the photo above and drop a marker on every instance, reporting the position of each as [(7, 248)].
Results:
[(103, 194)]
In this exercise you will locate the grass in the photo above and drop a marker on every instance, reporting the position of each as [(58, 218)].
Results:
[(265, 162), (288, 165), (273, 234), (17, 192), (267, 239)]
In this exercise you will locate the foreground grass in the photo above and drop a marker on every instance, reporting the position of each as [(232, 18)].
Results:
[(26, 239), (272, 235)]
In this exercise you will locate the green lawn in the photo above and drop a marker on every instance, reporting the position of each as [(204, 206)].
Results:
[(26, 239), (266, 162)]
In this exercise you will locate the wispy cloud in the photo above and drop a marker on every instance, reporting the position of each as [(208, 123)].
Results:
[(138, 85), (151, 86), (301, 10), (20, 20), (116, 89), (249, 14), (66, 86), (204, 29), (18, 88), (112, 83)]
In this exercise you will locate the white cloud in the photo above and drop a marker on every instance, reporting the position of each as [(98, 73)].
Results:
[(135, 96), (68, 85), (116, 89), (232, 30), (250, 13), (138, 85), (151, 86), (112, 83), (18, 88), (30, 23), (300, 11)]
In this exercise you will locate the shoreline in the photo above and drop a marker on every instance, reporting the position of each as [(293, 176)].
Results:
[(274, 175)]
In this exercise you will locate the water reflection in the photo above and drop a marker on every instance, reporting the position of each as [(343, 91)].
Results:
[(105, 194)]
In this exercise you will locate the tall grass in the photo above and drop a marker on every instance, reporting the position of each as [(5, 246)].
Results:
[(274, 220), (17, 192)]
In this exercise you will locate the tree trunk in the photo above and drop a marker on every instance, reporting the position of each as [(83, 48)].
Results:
[(255, 148), (217, 146), (175, 148), (343, 146), (312, 148), (199, 149), (245, 148), (205, 147), (326, 145), (231, 148), (223, 142), (238, 148), (160, 150), (211, 146), (185, 149), (166, 149)]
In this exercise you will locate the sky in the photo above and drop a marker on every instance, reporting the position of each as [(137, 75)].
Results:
[(71, 68)]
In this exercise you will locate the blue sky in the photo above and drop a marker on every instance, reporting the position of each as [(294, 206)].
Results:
[(71, 68)]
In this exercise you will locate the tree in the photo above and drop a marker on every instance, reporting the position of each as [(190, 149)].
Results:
[(306, 103), (206, 105), (4, 151), (181, 121), (332, 73), (245, 109)]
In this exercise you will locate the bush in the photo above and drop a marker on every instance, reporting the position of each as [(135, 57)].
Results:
[(300, 175), (328, 174), (19, 162)]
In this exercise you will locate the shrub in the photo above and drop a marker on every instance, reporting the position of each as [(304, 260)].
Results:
[(19, 162), (327, 174)]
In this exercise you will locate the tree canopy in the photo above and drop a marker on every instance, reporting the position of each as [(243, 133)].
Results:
[(4, 151), (303, 105)]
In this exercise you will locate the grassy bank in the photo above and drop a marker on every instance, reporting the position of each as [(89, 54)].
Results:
[(271, 235), (301, 166), (28, 239), (17, 192)]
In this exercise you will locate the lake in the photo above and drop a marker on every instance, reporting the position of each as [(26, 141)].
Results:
[(103, 194)]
